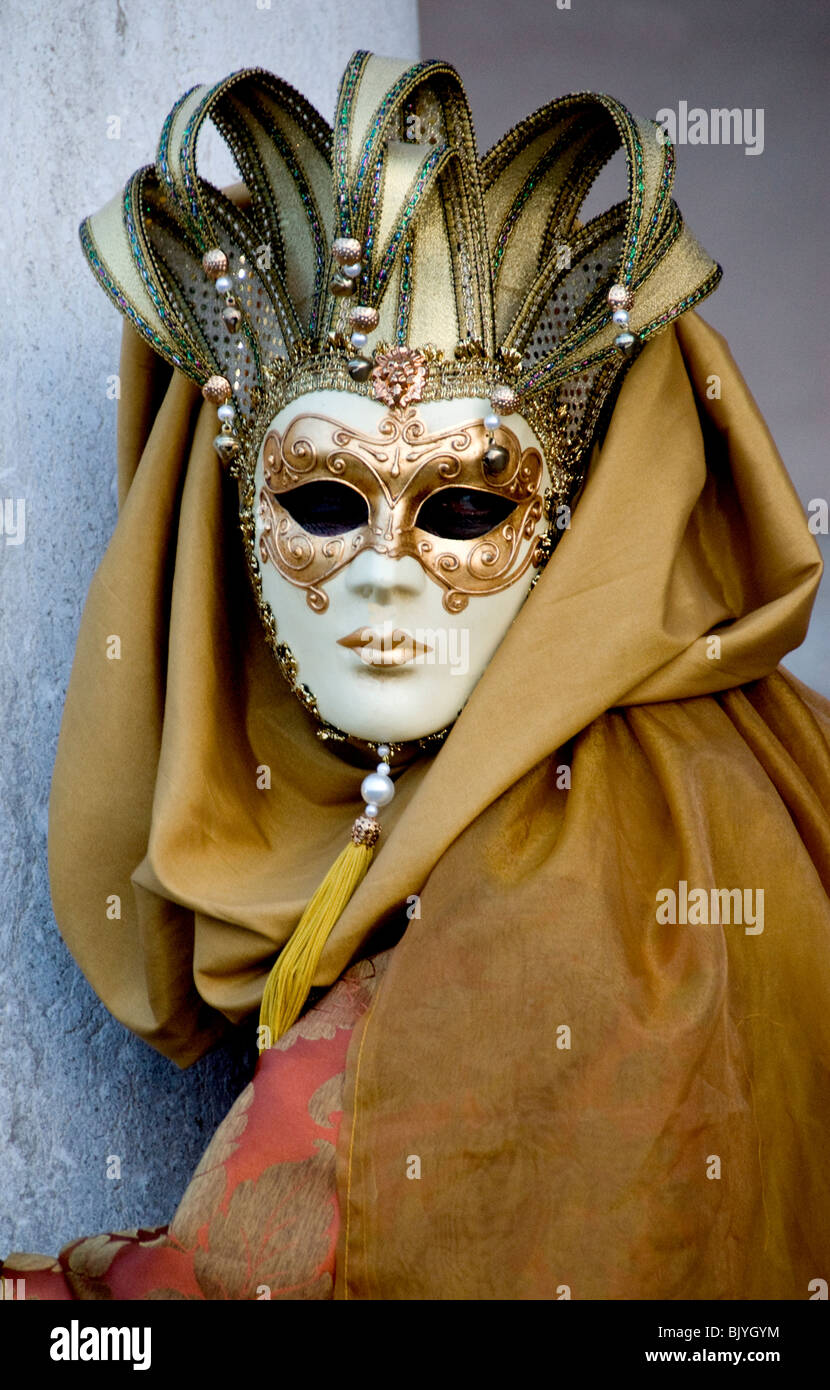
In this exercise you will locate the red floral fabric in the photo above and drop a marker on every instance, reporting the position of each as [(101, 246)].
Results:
[(260, 1216)]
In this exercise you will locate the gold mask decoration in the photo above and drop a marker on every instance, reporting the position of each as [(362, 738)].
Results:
[(395, 472)]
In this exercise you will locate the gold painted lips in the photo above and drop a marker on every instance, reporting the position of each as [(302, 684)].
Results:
[(384, 647)]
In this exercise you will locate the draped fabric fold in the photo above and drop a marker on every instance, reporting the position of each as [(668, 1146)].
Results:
[(636, 1108)]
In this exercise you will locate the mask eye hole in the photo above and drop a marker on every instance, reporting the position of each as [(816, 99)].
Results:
[(462, 513), (325, 508)]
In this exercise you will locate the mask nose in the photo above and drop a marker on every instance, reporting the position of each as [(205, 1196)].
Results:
[(379, 579)]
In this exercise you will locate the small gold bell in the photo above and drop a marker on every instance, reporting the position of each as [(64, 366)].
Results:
[(226, 447), (340, 285), (496, 459), (359, 368)]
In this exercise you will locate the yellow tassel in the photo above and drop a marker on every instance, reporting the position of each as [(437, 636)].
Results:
[(289, 982)]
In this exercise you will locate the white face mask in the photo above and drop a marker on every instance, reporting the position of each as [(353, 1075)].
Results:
[(392, 557)]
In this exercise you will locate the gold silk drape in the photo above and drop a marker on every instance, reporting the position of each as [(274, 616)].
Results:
[(564, 1065)]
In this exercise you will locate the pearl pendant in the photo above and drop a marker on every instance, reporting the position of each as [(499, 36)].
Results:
[(378, 789)]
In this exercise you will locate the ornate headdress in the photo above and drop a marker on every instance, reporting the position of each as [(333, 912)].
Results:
[(452, 275), (382, 257)]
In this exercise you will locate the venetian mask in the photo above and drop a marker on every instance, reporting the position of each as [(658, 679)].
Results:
[(395, 547)]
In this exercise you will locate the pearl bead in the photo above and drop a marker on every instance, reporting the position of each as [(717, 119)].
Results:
[(223, 284), (625, 342), (377, 789), (384, 750), (620, 316), (370, 810), (382, 769), (492, 422), (359, 340), (352, 270), (226, 412)]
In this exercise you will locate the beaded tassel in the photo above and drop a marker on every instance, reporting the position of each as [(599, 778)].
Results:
[(292, 976)]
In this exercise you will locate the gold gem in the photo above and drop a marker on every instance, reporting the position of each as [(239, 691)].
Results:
[(365, 831), (214, 263), (399, 376), (364, 318), (503, 400), (620, 297), (217, 390), (346, 250)]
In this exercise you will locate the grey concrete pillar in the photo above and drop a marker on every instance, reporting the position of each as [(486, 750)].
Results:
[(87, 87)]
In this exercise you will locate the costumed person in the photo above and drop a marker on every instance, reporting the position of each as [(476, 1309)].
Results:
[(469, 762)]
